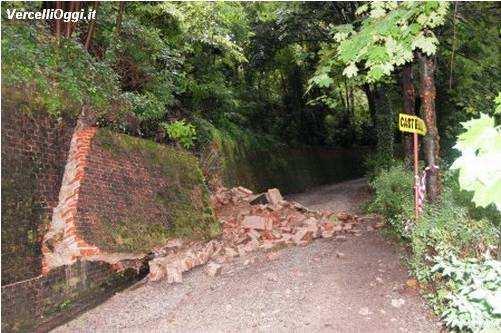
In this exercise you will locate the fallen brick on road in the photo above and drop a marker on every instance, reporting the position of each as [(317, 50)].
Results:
[(249, 222)]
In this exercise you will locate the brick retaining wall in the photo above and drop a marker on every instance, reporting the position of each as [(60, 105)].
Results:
[(72, 238)]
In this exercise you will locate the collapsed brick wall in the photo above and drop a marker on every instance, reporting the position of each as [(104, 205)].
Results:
[(119, 197), (122, 196)]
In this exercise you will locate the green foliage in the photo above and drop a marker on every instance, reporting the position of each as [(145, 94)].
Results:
[(478, 165), (182, 132), (475, 304), (377, 163), (388, 36), (448, 227), (58, 79), (238, 157), (393, 195)]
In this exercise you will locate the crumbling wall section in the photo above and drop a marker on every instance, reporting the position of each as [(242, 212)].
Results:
[(62, 245), (122, 196), (91, 228)]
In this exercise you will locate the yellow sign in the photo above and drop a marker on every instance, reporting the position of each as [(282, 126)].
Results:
[(411, 124)]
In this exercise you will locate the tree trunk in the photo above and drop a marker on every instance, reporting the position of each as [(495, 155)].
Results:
[(432, 139), (76, 5), (58, 23), (369, 93), (371, 101), (91, 30), (409, 103), (71, 8), (384, 123), (121, 7)]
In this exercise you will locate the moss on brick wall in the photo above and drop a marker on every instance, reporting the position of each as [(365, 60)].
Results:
[(136, 194)]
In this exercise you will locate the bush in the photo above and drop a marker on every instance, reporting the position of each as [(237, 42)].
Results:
[(475, 304), (181, 132), (393, 196), (450, 227), (377, 162), (59, 79), (447, 227)]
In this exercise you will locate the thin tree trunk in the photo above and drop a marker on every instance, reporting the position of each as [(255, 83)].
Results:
[(409, 103), (352, 102), (91, 30), (58, 23), (369, 93), (383, 123), (76, 7), (121, 7), (347, 99), (68, 24), (371, 101), (432, 139)]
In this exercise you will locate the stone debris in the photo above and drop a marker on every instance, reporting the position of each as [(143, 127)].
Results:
[(364, 311), (213, 268), (274, 197), (174, 264), (250, 222), (256, 222), (398, 302), (259, 199)]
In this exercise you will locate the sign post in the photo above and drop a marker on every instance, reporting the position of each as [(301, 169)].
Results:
[(412, 124)]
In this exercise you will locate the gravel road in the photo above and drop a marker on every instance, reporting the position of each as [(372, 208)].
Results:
[(351, 284)]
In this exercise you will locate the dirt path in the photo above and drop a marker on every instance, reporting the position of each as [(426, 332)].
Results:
[(345, 196), (352, 284)]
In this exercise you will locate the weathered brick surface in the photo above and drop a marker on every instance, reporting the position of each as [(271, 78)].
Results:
[(120, 189), (136, 194), (43, 302), (80, 210), (62, 245), (34, 151), (122, 196)]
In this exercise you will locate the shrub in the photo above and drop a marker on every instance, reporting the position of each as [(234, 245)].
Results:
[(450, 228), (377, 162), (59, 79), (393, 196), (475, 304), (181, 132), (447, 227)]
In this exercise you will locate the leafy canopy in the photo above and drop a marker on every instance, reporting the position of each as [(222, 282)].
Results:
[(389, 34)]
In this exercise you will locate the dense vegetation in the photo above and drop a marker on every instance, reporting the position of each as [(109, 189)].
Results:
[(454, 244), (333, 74)]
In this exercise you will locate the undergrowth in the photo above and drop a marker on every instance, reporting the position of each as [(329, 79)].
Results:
[(449, 228)]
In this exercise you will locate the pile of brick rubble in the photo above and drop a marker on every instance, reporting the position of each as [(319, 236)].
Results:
[(250, 222)]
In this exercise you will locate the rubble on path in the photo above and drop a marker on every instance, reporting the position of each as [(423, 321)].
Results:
[(213, 268), (249, 222)]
